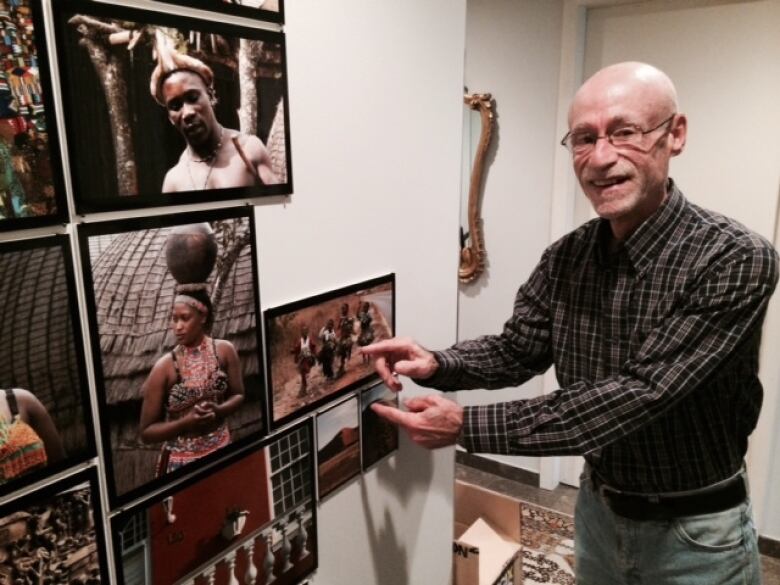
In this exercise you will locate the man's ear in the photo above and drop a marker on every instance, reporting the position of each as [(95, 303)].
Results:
[(679, 132)]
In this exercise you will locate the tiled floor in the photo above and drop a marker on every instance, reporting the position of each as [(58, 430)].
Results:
[(562, 499)]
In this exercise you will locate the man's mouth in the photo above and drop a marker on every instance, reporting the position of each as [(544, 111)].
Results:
[(195, 128), (609, 182)]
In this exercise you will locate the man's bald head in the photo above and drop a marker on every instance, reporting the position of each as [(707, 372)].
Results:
[(641, 84), (625, 179)]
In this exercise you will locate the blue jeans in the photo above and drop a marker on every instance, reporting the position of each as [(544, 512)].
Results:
[(709, 549)]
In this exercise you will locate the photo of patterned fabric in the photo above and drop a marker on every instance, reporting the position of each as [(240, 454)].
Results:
[(30, 186)]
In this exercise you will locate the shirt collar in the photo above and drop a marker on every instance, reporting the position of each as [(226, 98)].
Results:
[(644, 244)]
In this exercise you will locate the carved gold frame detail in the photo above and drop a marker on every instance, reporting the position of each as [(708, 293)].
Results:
[(472, 257)]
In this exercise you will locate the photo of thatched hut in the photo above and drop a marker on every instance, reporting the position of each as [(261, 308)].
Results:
[(41, 353), (133, 289)]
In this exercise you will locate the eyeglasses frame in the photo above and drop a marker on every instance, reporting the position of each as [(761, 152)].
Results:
[(608, 136)]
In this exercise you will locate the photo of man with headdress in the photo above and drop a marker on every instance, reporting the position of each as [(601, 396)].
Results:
[(215, 157), (174, 323), (163, 109)]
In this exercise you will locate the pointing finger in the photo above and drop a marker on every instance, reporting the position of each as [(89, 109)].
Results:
[(394, 415), (417, 404), (392, 345)]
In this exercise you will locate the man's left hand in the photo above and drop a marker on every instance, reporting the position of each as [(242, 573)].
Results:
[(432, 421)]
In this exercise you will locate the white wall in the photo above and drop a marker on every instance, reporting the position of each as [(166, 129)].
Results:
[(724, 58), (375, 110), (513, 52)]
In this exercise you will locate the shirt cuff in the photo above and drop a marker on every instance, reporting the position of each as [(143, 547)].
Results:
[(485, 429), (448, 374)]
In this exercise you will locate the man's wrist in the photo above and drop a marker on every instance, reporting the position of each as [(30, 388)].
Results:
[(447, 373), (484, 429), (434, 365)]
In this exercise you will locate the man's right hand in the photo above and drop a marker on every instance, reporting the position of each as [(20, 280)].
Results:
[(401, 355)]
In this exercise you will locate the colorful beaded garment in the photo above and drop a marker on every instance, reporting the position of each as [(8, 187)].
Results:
[(199, 378), (21, 449)]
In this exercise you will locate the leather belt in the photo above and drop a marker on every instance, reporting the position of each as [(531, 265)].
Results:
[(716, 498)]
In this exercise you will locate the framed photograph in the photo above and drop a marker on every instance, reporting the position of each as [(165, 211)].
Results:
[(216, 531), (268, 10), (338, 446), (55, 534), (313, 345), (378, 437), (32, 189), (45, 414), (162, 109), (172, 304)]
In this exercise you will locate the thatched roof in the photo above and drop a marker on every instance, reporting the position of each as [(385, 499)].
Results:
[(134, 294), (36, 332)]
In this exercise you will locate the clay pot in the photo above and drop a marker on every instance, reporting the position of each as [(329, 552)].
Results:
[(190, 252)]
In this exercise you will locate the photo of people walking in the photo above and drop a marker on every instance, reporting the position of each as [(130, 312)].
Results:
[(314, 345)]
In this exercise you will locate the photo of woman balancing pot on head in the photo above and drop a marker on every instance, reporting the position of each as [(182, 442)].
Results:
[(175, 314)]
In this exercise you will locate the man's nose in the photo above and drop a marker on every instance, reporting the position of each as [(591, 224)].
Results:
[(187, 111), (603, 153)]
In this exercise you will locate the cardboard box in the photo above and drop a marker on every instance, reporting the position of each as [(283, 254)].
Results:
[(487, 547)]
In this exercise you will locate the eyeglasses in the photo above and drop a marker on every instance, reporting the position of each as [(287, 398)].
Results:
[(628, 135)]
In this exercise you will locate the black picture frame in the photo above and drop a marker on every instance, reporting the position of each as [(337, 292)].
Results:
[(236, 9), (282, 323), (338, 447), (41, 154), (55, 496), (40, 313), (137, 125), (378, 437), (139, 246), (290, 462)]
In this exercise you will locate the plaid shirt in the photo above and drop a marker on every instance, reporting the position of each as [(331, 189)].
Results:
[(655, 348)]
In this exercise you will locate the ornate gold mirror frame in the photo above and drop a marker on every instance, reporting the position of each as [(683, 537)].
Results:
[(472, 256)]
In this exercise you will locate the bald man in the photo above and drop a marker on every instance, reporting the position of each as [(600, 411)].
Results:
[(651, 315)]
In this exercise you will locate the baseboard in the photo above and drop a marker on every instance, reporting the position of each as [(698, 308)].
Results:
[(497, 468), (769, 546)]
